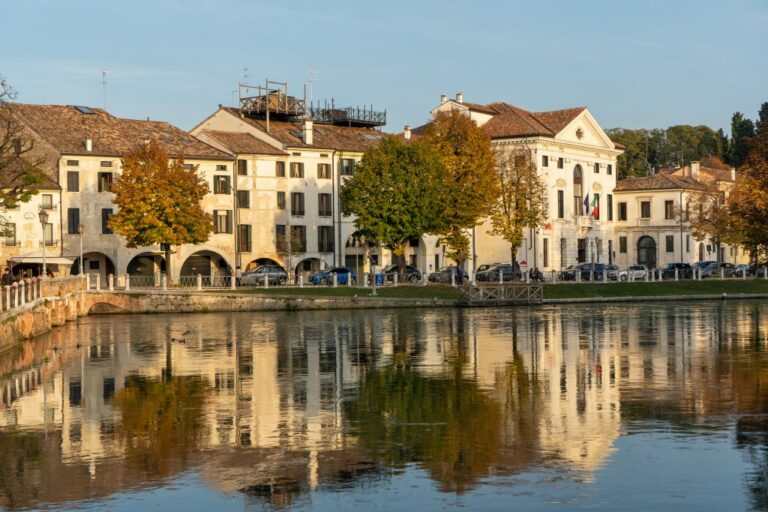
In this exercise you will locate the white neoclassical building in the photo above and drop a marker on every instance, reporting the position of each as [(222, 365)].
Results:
[(577, 163)]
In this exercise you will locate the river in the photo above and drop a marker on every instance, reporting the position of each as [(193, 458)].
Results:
[(603, 407)]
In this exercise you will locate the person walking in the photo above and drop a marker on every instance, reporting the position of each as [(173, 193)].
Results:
[(238, 275), (7, 278)]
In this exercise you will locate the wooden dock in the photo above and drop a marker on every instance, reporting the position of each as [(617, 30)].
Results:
[(507, 294)]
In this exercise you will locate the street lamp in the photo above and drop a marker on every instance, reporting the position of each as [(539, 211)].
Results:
[(80, 229), (43, 221)]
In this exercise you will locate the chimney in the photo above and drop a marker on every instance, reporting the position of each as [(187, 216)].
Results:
[(733, 174), (88, 145), (306, 132), (407, 132), (443, 98), (459, 98), (695, 170)]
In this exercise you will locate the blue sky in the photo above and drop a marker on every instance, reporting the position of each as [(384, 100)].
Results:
[(634, 63)]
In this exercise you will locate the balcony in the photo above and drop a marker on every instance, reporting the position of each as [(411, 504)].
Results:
[(585, 221), (644, 221)]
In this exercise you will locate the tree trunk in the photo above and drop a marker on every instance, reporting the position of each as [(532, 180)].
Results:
[(401, 267)]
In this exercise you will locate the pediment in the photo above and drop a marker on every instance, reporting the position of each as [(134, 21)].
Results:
[(585, 130)]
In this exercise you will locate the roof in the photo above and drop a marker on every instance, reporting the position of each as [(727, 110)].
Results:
[(706, 173), (325, 136), (244, 143), (659, 182), (66, 128)]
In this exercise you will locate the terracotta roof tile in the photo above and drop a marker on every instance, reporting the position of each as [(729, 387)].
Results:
[(325, 136), (66, 128), (244, 143), (659, 182)]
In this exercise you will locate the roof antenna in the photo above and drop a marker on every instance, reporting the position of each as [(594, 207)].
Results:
[(104, 86)]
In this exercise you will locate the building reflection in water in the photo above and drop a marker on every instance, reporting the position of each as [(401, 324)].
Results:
[(274, 405)]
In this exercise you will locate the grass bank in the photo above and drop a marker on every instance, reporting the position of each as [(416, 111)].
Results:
[(442, 292), (656, 289)]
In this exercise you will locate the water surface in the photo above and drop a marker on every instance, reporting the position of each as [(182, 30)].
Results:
[(629, 407)]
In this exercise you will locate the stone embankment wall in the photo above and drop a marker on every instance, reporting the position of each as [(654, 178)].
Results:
[(36, 307)]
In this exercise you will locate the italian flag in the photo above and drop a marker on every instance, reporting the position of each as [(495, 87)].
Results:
[(596, 205)]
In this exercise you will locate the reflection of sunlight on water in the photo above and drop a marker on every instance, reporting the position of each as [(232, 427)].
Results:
[(280, 409)]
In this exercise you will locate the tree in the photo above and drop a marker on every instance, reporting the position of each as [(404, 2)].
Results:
[(748, 201), (396, 193), (159, 201), (741, 131), (522, 203), (470, 188), (762, 115), (20, 164), (709, 217)]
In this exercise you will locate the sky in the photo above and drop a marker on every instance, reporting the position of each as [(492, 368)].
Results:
[(633, 63)]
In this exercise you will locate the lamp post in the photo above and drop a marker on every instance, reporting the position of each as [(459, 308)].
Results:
[(80, 229), (43, 221)]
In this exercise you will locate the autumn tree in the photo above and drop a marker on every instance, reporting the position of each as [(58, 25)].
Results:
[(522, 199), (159, 201), (20, 165), (748, 201), (470, 187), (395, 193), (742, 129), (709, 216)]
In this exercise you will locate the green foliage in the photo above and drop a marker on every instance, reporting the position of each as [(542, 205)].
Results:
[(470, 188), (741, 131), (522, 203), (21, 167), (396, 193), (159, 201)]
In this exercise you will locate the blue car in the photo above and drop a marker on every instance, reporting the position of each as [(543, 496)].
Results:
[(343, 276)]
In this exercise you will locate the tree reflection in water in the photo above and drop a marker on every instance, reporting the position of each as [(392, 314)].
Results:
[(162, 422)]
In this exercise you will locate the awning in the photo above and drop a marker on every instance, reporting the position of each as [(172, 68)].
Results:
[(37, 258)]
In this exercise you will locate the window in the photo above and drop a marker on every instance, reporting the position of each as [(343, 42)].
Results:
[(325, 239), (281, 200), (324, 171), (10, 234), (347, 166), (242, 168), (47, 202), (244, 237), (73, 181), (73, 163), (623, 244), (48, 234), (73, 220), (106, 213), (578, 198), (106, 163), (297, 170), (670, 243), (189, 167), (545, 252), (324, 205), (299, 236), (544, 161), (560, 204), (297, 203), (222, 185), (597, 168), (669, 210), (295, 153), (281, 244), (105, 182), (222, 221), (645, 209), (622, 211), (560, 163), (610, 169), (243, 199), (610, 206), (280, 169)]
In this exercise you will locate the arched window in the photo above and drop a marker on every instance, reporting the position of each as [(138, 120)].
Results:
[(646, 251), (578, 196)]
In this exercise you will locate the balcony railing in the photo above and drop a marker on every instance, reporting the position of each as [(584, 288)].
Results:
[(644, 221), (585, 221)]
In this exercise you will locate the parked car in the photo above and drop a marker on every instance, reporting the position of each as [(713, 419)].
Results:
[(612, 272), (344, 276), (712, 269), (740, 269), (684, 271), (276, 275), (506, 271), (412, 274), (568, 273), (633, 273), (444, 275), (586, 270)]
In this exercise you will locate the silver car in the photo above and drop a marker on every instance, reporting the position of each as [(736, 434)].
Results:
[(276, 275), (633, 273)]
